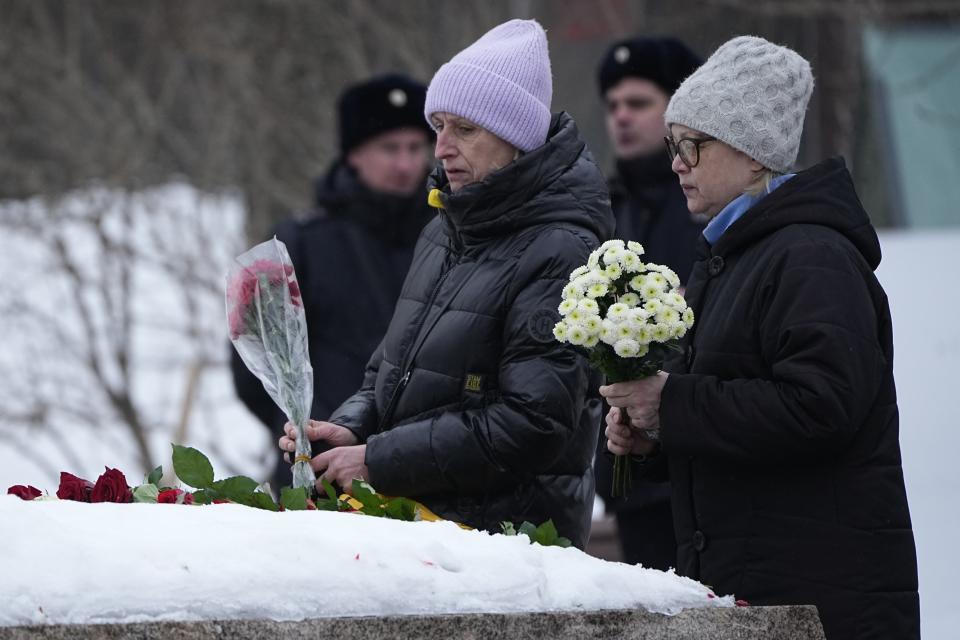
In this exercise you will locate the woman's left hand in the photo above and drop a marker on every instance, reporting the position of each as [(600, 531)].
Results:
[(640, 398), (340, 466)]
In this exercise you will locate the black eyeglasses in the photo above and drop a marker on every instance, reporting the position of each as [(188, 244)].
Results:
[(687, 148)]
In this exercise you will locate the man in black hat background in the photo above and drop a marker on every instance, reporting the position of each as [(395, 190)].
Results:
[(352, 249), (636, 77)]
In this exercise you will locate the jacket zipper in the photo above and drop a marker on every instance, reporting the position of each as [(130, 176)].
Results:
[(408, 358)]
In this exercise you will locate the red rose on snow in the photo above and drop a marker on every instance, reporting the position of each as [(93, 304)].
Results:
[(74, 488), (28, 492), (171, 496), (111, 487)]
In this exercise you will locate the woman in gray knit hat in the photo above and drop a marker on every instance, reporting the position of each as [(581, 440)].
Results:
[(779, 428)]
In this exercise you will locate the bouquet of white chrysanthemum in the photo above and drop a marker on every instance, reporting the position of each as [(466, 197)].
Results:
[(626, 316)]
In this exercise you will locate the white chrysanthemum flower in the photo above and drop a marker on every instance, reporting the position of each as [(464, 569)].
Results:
[(611, 244), (591, 340), (631, 262), (657, 278), (639, 314), (652, 305), (672, 278), (582, 283), (688, 317), (593, 262), (597, 290), (579, 271), (618, 312), (636, 247), (613, 271), (594, 277), (645, 334), (626, 348), (575, 315), (592, 324), (651, 290), (661, 332), (678, 329), (567, 306), (656, 268), (560, 331), (572, 291), (613, 255), (637, 282), (630, 299), (624, 331), (675, 300), (667, 315), (577, 335), (608, 332), (588, 306)]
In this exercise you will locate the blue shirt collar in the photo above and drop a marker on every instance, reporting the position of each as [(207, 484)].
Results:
[(736, 208)]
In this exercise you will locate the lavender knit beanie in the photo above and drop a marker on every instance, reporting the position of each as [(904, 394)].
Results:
[(501, 82), (751, 94)]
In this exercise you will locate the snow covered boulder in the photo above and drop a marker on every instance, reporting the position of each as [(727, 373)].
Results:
[(70, 563)]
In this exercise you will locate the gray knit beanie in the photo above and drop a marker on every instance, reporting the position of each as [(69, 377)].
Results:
[(751, 94)]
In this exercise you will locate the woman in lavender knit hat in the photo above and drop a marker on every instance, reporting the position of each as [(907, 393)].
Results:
[(469, 404), (780, 426)]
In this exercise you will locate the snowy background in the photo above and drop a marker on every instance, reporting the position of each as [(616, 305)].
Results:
[(111, 306)]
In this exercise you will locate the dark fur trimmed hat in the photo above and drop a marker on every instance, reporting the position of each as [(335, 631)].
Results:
[(378, 105), (664, 61)]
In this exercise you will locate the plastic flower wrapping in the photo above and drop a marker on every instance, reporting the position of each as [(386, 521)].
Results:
[(268, 328), (626, 316)]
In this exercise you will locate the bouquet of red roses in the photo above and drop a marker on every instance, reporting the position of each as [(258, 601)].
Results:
[(269, 330)]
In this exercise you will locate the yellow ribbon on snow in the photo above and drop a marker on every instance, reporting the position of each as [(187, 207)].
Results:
[(423, 513)]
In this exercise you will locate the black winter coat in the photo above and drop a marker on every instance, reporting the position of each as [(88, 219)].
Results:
[(470, 405), (351, 255), (781, 427)]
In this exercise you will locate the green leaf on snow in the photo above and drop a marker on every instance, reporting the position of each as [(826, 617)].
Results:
[(155, 475), (293, 499), (192, 467), (146, 493), (235, 488)]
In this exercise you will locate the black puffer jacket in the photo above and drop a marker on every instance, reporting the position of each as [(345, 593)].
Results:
[(470, 405), (781, 428), (351, 254)]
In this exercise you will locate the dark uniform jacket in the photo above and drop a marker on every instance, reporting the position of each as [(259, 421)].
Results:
[(781, 427), (470, 405)]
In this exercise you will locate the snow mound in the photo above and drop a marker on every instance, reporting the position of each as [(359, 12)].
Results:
[(70, 563)]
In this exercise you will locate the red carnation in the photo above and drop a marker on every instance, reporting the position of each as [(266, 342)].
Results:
[(74, 488), (111, 486), (172, 496), (28, 492)]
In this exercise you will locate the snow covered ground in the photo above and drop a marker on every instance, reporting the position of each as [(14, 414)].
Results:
[(45, 432), (66, 562)]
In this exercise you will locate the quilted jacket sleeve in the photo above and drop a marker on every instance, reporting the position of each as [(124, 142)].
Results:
[(543, 388)]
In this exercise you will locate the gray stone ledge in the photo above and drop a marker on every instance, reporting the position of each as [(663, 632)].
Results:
[(745, 623)]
